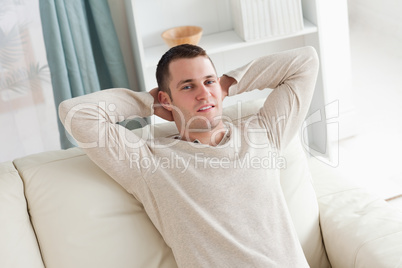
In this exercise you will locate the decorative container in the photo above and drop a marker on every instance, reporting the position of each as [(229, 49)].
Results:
[(182, 35)]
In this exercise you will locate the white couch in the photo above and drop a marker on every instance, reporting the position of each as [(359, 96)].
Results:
[(58, 209)]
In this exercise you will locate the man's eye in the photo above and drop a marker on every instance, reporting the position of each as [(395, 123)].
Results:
[(186, 87), (210, 82)]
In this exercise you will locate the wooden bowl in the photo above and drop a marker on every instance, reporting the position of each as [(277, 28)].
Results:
[(182, 35)]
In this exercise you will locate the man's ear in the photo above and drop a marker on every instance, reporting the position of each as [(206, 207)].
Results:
[(164, 100)]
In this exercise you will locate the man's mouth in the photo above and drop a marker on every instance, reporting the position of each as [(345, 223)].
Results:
[(205, 108)]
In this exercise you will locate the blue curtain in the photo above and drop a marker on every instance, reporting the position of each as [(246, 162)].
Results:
[(82, 50)]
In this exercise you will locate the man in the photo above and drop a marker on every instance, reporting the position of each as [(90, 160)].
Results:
[(219, 205)]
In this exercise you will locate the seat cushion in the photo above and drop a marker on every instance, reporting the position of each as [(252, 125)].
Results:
[(83, 218), (18, 245)]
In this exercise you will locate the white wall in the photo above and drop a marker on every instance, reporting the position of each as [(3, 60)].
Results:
[(381, 15)]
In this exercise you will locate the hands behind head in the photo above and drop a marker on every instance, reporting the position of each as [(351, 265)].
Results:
[(226, 82)]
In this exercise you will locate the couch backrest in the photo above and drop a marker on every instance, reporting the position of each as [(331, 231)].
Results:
[(82, 218)]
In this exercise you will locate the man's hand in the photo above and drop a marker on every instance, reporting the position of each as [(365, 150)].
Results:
[(226, 82), (158, 108)]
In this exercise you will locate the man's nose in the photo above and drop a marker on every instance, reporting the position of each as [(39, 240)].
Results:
[(203, 92)]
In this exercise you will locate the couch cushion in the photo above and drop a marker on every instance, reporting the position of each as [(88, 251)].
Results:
[(83, 218), (297, 186), (18, 245), (359, 228)]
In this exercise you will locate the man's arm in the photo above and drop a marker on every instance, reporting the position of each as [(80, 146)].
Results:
[(292, 75), (92, 121)]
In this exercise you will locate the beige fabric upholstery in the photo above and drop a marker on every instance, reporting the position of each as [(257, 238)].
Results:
[(18, 245)]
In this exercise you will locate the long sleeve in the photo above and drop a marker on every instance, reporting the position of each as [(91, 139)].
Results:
[(92, 121), (292, 75)]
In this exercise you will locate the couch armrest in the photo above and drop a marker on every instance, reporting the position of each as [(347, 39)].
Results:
[(359, 229), (18, 244)]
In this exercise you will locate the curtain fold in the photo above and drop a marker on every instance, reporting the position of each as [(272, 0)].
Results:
[(82, 50)]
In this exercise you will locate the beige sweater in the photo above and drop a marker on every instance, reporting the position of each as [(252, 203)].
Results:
[(214, 206)]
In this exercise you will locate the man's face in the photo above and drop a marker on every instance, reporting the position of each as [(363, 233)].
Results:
[(196, 95)]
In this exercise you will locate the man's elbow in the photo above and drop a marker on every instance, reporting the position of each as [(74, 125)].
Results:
[(63, 110), (312, 55)]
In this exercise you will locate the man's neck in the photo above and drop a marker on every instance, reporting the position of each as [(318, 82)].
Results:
[(211, 137)]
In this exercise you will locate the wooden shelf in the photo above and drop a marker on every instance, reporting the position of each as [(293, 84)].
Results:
[(224, 41)]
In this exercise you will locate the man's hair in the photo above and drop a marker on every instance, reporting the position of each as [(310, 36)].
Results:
[(178, 52)]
